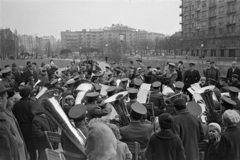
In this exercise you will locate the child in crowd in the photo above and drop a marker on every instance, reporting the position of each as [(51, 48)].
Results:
[(122, 150), (214, 131)]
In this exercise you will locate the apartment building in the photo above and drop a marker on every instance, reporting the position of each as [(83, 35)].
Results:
[(211, 27)]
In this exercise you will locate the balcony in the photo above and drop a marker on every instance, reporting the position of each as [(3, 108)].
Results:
[(197, 27), (212, 25), (212, 15), (231, 23), (197, 18), (229, 1), (198, 9), (231, 11), (214, 4), (180, 14)]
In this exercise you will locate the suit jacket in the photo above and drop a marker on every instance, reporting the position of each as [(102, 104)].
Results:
[(212, 73), (8, 147), (191, 77), (235, 84), (129, 105), (228, 147), (230, 73), (189, 129), (138, 132)]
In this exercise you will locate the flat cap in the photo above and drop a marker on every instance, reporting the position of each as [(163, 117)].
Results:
[(235, 76), (233, 90), (55, 81), (111, 89), (133, 91), (139, 108), (194, 108), (231, 116), (227, 102), (76, 77), (124, 80), (172, 64), (179, 85), (149, 67), (191, 64), (138, 82), (70, 81), (225, 79), (6, 70), (77, 111), (140, 60), (156, 84), (92, 95), (179, 101)]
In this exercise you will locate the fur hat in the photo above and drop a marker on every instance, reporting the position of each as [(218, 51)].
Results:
[(101, 143)]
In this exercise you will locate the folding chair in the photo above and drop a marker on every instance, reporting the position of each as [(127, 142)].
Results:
[(54, 155), (135, 149), (52, 137)]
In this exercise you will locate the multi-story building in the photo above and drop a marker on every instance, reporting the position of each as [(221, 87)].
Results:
[(100, 38), (27, 43), (211, 27)]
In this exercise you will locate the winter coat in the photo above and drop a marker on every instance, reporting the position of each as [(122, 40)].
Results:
[(136, 132), (166, 146), (189, 129), (8, 146), (229, 145)]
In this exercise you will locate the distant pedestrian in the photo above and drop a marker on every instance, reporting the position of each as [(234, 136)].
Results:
[(212, 72), (233, 70)]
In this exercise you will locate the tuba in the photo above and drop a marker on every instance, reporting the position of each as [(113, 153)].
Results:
[(81, 88), (49, 105), (120, 107), (207, 96)]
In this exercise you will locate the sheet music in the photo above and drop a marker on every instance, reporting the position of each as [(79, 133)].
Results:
[(103, 89), (167, 90)]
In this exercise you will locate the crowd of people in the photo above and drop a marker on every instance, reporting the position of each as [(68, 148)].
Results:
[(181, 134)]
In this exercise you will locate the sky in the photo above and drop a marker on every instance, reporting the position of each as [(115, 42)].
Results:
[(50, 17)]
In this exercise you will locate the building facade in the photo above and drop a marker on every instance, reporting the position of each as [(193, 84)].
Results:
[(101, 38), (211, 27)]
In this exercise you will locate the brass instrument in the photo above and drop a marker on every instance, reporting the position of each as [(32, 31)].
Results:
[(120, 107), (206, 95), (50, 106)]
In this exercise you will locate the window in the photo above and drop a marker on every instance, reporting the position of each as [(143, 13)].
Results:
[(221, 9), (231, 29), (204, 14), (204, 4), (192, 7), (220, 30), (192, 16), (204, 24)]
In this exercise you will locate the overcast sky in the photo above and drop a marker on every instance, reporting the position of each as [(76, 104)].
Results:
[(50, 17)]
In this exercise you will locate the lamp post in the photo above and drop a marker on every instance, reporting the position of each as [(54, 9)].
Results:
[(202, 52), (121, 40), (147, 52), (107, 48)]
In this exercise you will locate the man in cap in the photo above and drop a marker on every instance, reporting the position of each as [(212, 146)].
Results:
[(30, 72), (178, 89), (68, 103), (139, 63), (149, 70), (190, 77), (228, 146), (235, 82), (234, 93), (181, 66), (226, 103), (132, 66), (111, 91), (189, 129), (94, 110), (8, 147), (123, 85), (109, 79), (70, 151), (133, 95), (212, 72), (22, 110), (140, 74), (233, 70), (207, 67), (215, 89), (17, 75), (138, 83), (7, 78), (171, 73), (156, 97), (224, 84), (136, 131), (165, 144)]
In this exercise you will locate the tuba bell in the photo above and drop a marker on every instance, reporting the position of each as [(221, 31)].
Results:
[(49, 105)]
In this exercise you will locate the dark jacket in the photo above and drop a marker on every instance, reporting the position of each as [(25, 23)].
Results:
[(8, 146), (191, 77), (235, 84), (166, 146), (18, 78), (40, 124), (138, 132), (212, 73), (69, 148), (230, 73), (129, 105), (189, 128), (94, 111), (27, 74), (210, 152), (157, 99), (229, 145)]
